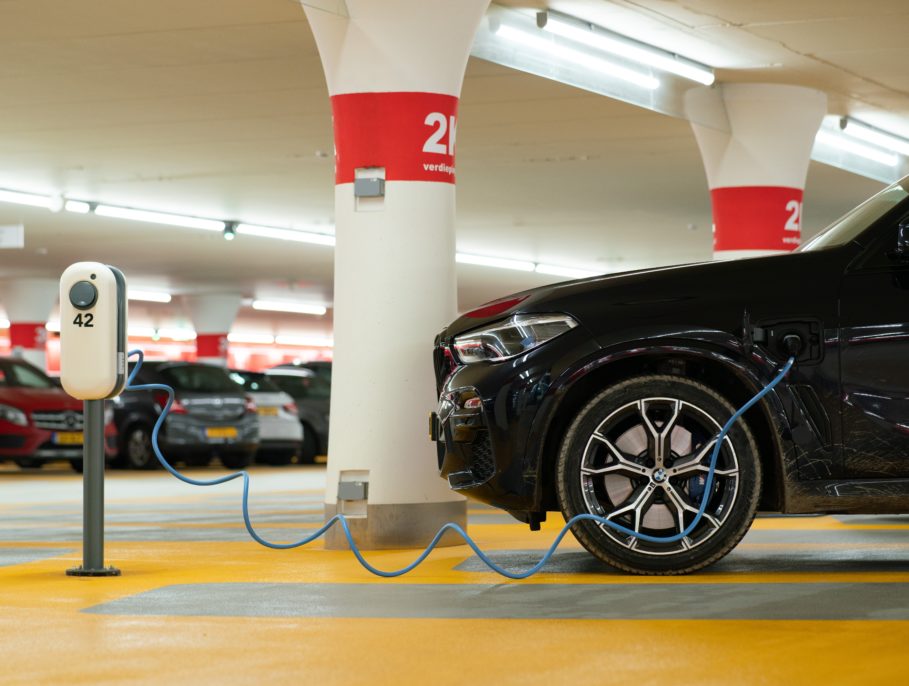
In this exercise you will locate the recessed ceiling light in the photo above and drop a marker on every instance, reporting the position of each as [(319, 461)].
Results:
[(583, 59), (148, 296), (159, 218), (607, 41), (287, 306)]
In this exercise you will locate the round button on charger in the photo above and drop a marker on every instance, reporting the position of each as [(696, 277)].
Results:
[(83, 295)]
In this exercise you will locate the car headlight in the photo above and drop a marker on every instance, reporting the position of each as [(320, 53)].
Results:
[(13, 415), (514, 336)]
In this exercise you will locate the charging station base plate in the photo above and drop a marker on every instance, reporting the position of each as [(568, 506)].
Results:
[(104, 571)]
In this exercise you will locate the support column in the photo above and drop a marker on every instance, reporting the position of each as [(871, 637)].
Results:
[(756, 170), (394, 72), (212, 315), (28, 304)]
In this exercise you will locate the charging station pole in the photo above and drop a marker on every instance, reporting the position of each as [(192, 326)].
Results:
[(93, 494), (93, 368)]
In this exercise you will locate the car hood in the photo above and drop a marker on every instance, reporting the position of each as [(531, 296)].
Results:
[(735, 283), (39, 399)]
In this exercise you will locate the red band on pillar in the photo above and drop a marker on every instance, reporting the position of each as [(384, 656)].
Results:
[(756, 218), (211, 345), (27, 335), (411, 135)]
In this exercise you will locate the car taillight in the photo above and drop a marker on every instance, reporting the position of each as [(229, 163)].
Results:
[(176, 408), (250, 405), (291, 408)]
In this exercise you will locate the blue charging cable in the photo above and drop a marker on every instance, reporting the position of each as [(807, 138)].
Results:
[(451, 526)]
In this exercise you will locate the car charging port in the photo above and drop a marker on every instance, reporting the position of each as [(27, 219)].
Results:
[(784, 339), (792, 344)]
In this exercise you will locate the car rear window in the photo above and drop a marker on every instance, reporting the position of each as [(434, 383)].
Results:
[(14, 375), (299, 386), (198, 379), (254, 383)]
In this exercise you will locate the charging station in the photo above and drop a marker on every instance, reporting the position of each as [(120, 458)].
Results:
[(93, 322)]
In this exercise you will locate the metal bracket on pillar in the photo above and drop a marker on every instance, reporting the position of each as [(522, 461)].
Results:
[(93, 494)]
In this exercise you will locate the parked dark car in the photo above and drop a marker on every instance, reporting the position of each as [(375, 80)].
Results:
[(39, 422), (211, 416), (310, 387), (605, 395)]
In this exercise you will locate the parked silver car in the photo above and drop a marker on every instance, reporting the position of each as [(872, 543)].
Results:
[(311, 390), (280, 430)]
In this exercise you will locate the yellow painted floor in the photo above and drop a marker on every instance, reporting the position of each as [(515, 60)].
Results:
[(173, 542)]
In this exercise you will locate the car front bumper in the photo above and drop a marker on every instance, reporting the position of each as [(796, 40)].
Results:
[(490, 421), (44, 444)]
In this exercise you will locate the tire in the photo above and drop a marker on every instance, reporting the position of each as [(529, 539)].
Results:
[(29, 463), (236, 460), (76, 466), (137, 448), (310, 445), (622, 430)]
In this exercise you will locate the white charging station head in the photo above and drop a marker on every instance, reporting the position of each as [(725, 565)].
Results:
[(92, 331)]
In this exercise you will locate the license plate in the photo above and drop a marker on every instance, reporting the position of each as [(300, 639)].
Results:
[(68, 438), (268, 411), (221, 432)]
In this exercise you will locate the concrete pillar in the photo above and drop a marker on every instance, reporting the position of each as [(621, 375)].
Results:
[(756, 170), (212, 315), (28, 304), (394, 72)]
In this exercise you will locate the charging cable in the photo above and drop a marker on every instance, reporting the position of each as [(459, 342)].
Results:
[(451, 526)]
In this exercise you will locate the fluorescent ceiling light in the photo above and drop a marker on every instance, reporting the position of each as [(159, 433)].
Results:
[(311, 341), (607, 41), (264, 339), (77, 206), (569, 272), (30, 199), (286, 306), (148, 296), (159, 218), (856, 148), (286, 234), (870, 134), (582, 59), (498, 262)]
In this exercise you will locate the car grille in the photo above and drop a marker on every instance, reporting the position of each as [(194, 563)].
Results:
[(12, 441), (482, 465), (66, 420)]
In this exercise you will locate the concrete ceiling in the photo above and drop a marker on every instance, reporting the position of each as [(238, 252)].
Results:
[(219, 108)]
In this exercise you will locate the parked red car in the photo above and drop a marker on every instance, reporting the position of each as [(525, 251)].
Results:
[(39, 422)]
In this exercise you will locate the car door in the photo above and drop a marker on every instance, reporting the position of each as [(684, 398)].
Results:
[(874, 344)]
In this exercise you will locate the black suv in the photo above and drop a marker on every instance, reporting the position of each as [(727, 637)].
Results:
[(606, 395), (211, 415)]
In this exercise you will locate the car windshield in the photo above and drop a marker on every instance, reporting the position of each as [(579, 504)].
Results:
[(13, 375), (254, 382), (198, 379), (848, 228)]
